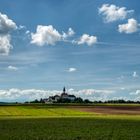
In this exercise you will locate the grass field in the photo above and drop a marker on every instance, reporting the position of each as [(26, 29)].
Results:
[(39, 111), (47, 122)]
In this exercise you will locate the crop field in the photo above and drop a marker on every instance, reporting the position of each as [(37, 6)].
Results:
[(70, 122)]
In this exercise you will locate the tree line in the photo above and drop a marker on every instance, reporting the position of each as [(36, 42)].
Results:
[(87, 101)]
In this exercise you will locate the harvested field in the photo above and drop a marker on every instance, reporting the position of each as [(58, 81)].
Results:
[(130, 110)]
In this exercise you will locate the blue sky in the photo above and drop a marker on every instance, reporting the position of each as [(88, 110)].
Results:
[(91, 47)]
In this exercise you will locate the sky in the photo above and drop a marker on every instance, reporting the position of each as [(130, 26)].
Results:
[(90, 46)]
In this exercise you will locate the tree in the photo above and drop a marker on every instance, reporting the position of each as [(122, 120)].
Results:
[(78, 100), (87, 101)]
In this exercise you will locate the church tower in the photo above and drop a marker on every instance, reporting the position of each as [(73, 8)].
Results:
[(64, 90)]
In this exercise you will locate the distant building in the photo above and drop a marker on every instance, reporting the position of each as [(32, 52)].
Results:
[(63, 96), (71, 97), (56, 98)]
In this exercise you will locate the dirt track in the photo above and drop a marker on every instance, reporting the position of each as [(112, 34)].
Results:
[(131, 110)]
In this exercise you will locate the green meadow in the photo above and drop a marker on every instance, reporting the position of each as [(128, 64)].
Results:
[(61, 122)]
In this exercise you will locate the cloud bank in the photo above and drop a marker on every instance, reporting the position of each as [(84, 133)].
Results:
[(21, 95), (32, 94)]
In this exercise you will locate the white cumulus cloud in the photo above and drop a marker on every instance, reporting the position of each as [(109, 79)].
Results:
[(112, 12), (70, 33), (87, 39), (6, 26), (5, 44), (130, 27), (12, 68), (45, 35), (137, 92), (135, 95), (49, 35), (72, 69), (135, 75)]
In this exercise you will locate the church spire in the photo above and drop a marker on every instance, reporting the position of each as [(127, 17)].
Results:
[(64, 90)]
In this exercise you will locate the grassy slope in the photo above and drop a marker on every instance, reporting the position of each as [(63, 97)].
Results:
[(60, 123)]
